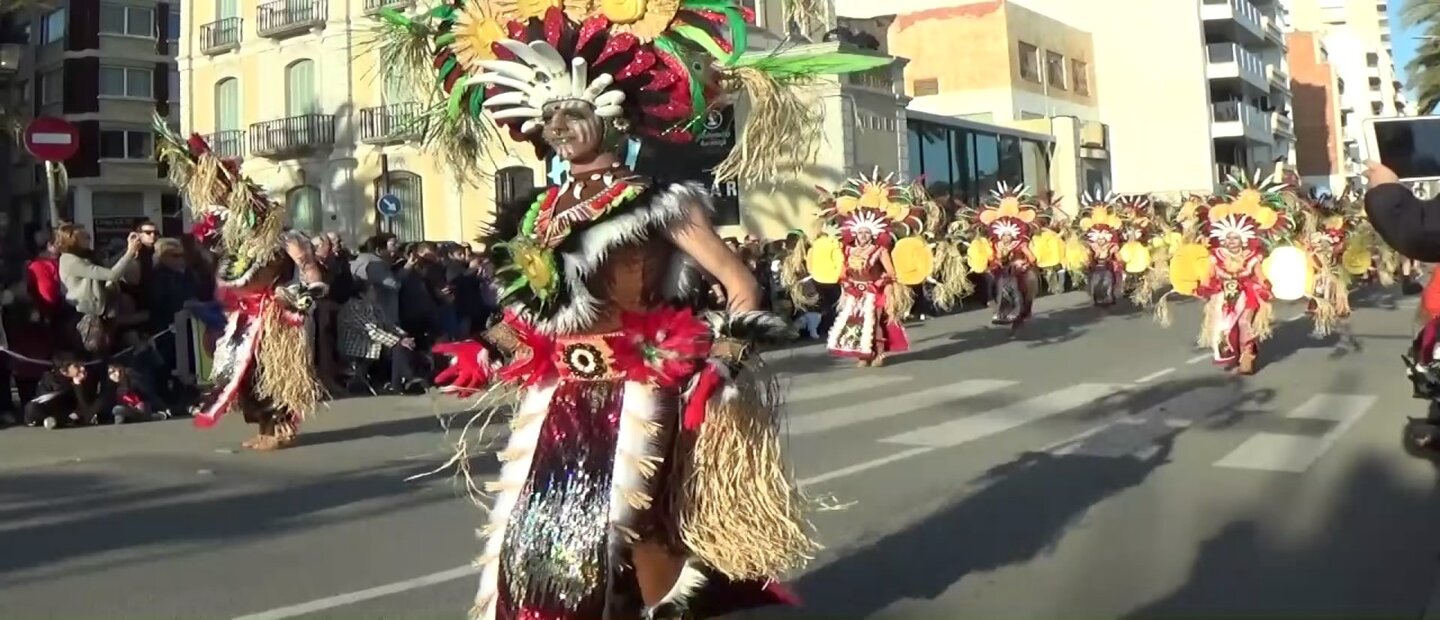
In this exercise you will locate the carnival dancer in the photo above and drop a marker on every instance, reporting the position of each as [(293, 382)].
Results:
[(1011, 228), (268, 281), (642, 476), (1229, 275), (871, 215), (1327, 239), (1099, 230)]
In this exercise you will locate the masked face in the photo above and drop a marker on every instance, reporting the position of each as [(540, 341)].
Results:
[(573, 130)]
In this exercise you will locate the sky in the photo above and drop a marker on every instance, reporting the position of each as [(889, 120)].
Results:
[(1403, 41)]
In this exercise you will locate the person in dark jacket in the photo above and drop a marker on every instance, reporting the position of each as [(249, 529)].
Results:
[(1404, 221), (70, 395)]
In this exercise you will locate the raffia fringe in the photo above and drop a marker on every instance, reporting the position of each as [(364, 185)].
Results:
[(899, 301), (1207, 324), (1162, 310), (287, 376), (740, 512), (952, 276), (781, 132), (1264, 321)]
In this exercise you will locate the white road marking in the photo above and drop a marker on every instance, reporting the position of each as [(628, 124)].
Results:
[(1138, 434), (1296, 317), (1200, 358), (1296, 453), (1154, 375), (862, 412), (798, 394), (351, 598), (862, 467), (1001, 419)]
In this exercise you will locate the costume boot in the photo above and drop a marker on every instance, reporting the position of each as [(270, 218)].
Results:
[(266, 436), (1248, 353)]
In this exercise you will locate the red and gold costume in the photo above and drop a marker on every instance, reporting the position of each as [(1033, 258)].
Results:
[(1097, 254), (268, 283), (643, 475), (1012, 242), (877, 255), (1247, 264), (1336, 255)]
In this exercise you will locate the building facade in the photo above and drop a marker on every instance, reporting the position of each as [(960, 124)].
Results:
[(1325, 157), (107, 67)]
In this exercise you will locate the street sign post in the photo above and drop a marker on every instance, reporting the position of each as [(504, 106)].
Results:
[(388, 205), (52, 140)]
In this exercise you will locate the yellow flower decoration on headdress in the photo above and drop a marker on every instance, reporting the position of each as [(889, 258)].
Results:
[(1009, 207), (521, 10), (1099, 216), (1188, 209), (1247, 206), (874, 195), (1333, 222), (475, 33), (646, 19)]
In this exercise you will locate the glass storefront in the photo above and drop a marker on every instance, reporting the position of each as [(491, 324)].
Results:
[(966, 163)]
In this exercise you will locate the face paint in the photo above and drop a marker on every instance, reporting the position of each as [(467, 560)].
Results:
[(573, 130)]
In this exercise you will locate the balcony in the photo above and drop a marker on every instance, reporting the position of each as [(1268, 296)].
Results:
[(10, 56), (1239, 14), (221, 36), (399, 122), (1279, 78), (1233, 119), (1282, 125), (293, 136), (1228, 61), (228, 144), (373, 6), (282, 18), (1273, 30)]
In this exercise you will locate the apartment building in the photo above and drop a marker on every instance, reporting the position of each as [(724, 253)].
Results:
[(107, 66), (1324, 157)]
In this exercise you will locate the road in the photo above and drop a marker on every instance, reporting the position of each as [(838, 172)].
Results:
[(1096, 466)]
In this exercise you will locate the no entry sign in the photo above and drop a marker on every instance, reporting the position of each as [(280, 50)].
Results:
[(51, 139)]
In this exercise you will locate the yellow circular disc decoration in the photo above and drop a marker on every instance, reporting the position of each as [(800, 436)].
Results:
[(1048, 248), (1077, 256), (1135, 256), (979, 255), (1289, 272), (1189, 266), (913, 261), (825, 260), (1357, 259)]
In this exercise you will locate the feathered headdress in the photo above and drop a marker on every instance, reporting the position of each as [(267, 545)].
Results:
[(1011, 212), (1098, 221), (660, 65), (1250, 210), (873, 204)]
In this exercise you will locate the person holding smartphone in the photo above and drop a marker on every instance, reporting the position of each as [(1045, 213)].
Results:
[(1403, 220)]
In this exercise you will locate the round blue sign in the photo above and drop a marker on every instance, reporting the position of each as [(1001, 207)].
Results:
[(388, 205)]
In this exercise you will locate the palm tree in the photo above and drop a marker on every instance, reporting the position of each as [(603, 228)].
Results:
[(1423, 71)]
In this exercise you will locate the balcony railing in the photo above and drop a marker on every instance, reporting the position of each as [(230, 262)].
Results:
[(292, 136), (229, 144), (1241, 11), (221, 36), (1282, 124), (286, 17), (1228, 60), (397, 122), (1278, 77), (374, 6), (1236, 119), (10, 55)]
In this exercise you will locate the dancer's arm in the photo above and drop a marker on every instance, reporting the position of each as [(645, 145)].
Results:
[(696, 237)]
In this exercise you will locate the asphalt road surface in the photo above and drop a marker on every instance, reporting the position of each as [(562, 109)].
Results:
[(1095, 467)]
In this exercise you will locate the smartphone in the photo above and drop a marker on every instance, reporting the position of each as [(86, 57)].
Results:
[(1409, 145)]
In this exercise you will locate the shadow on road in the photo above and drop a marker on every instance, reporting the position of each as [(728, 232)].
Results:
[(1013, 514), (1361, 562)]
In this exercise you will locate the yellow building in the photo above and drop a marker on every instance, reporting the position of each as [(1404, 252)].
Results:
[(293, 87)]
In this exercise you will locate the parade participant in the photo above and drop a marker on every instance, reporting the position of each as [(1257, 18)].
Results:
[(872, 216), (1144, 252), (1010, 229), (1099, 230), (642, 477), (1229, 275), (1326, 237), (268, 281)]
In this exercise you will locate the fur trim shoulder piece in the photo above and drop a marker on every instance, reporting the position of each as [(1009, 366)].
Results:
[(754, 326), (549, 287)]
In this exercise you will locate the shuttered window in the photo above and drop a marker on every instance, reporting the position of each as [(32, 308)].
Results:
[(409, 224), (305, 209), (227, 104), (225, 9), (300, 95)]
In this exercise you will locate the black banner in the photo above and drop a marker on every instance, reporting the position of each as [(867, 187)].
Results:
[(696, 161)]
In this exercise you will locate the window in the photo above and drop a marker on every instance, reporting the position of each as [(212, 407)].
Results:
[(126, 144), (52, 87), (987, 162), (172, 27), (127, 82), (1080, 76), (1055, 70), (1372, 59), (1029, 62), (928, 86), (52, 27), (1012, 161), (227, 104), (962, 165), (1377, 108), (305, 209), (409, 225), (225, 9), (513, 183), (134, 21), (175, 85), (300, 88)]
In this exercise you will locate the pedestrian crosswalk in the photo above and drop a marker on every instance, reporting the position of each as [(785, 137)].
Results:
[(918, 417)]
